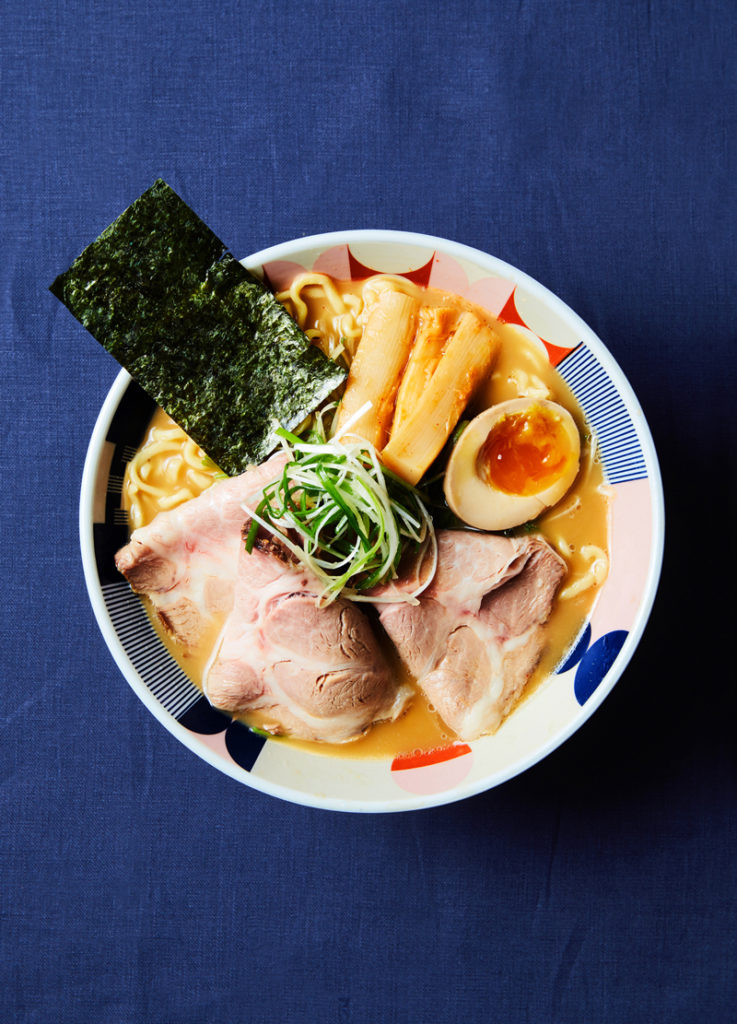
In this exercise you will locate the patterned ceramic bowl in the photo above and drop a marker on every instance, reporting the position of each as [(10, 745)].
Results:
[(557, 707)]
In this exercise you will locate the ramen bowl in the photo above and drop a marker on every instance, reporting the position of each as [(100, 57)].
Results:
[(559, 704)]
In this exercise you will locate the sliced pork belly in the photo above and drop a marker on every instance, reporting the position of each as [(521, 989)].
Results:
[(477, 633), (316, 673), (186, 559)]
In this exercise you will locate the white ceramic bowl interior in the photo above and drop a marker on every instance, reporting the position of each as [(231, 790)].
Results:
[(557, 708)]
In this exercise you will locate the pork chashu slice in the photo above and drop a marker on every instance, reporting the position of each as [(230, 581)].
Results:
[(315, 673), (477, 633), (186, 559)]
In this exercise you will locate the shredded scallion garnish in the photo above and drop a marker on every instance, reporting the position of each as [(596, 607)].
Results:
[(340, 512)]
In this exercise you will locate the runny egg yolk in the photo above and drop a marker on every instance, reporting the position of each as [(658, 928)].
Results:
[(525, 452)]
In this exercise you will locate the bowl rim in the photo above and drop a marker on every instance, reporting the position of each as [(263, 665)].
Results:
[(496, 267)]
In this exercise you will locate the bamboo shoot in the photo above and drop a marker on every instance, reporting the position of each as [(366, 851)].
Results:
[(435, 325), (467, 359), (378, 365)]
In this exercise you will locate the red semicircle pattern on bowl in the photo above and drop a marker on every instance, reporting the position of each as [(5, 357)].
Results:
[(433, 771), (420, 276), (510, 315)]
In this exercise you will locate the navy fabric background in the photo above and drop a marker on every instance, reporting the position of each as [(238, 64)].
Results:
[(593, 145)]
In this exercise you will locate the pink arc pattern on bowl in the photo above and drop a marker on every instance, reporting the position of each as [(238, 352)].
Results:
[(560, 705)]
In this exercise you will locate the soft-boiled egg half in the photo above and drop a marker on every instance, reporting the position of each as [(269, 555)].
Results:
[(512, 462)]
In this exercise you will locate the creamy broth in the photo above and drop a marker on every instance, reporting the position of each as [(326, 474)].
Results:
[(575, 527)]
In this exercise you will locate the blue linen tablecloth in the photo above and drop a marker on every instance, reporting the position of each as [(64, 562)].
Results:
[(593, 146)]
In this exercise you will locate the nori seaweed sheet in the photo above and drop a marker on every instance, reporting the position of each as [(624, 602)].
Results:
[(205, 338)]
